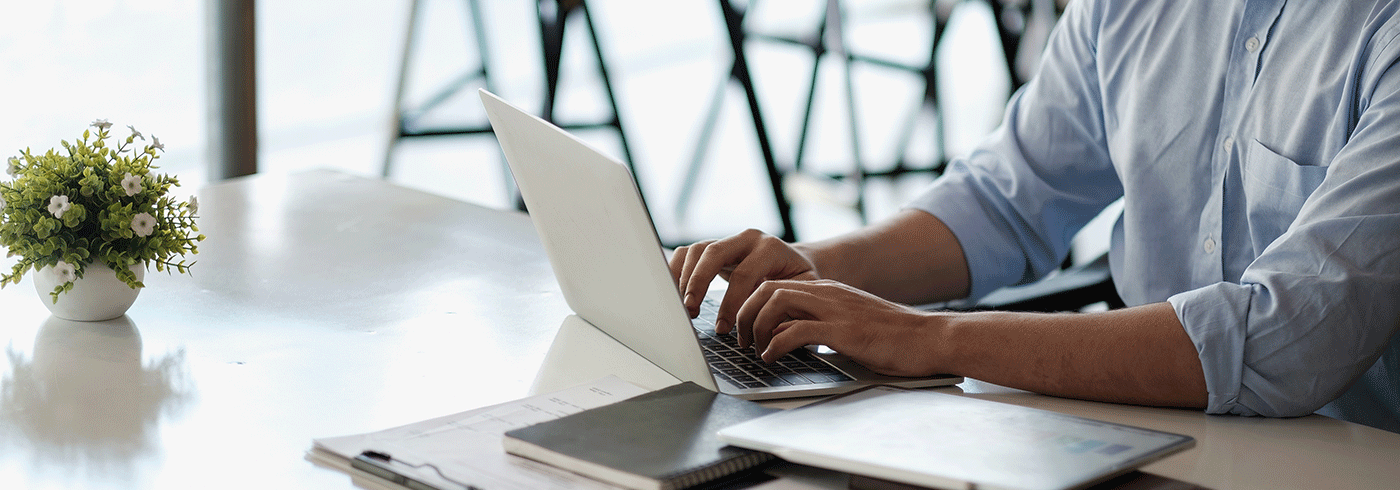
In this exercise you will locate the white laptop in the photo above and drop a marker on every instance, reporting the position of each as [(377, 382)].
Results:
[(613, 271)]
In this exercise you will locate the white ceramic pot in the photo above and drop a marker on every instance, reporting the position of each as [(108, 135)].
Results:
[(97, 296)]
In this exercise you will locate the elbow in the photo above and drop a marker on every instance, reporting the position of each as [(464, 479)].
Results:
[(1291, 408), (1292, 398)]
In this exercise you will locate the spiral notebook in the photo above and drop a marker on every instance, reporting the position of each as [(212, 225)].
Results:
[(661, 440)]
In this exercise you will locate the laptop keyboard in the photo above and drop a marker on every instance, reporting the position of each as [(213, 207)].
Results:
[(743, 367)]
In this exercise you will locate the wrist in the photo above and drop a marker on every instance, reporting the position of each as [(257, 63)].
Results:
[(814, 255), (942, 332)]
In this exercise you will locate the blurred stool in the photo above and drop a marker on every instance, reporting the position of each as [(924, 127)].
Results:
[(1015, 19), (553, 15)]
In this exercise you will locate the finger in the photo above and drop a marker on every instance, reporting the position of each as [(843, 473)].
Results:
[(688, 295), (717, 256), (685, 262), (748, 311), (743, 281), (785, 304), (747, 317), (796, 334), (739, 292), (724, 316), (677, 264)]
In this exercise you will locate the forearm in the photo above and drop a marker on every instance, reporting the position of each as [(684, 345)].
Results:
[(1137, 355), (911, 258)]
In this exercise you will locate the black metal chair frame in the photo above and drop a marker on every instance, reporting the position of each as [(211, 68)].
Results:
[(829, 39), (553, 18)]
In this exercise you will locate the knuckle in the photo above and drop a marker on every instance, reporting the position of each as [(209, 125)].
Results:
[(715, 247), (783, 294), (744, 274), (752, 233), (696, 248), (767, 287)]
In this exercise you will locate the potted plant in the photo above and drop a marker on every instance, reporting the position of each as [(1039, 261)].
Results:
[(89, 220)]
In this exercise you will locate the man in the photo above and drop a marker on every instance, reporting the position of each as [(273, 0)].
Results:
[(1255, 145)]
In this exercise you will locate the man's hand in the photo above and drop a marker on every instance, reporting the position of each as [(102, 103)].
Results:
[(745, 260), (887, 337)]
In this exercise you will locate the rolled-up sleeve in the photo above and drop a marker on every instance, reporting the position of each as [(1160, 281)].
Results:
[(1016, 201), (1311, 315)]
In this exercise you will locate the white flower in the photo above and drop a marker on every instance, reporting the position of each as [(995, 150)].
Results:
[(59, 205), (65, 272), (101, 124), (132, 184), (155, 143), (143, 224), (13, 169), (194, 205), (135, 133)]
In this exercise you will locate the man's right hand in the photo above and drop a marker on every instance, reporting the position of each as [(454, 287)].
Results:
[(745, 260)]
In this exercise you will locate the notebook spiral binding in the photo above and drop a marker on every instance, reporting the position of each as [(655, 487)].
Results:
[(696, 476)]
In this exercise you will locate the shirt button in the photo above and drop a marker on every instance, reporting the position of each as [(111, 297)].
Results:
[(1229, 142), (1209, 245), (1252, 44)]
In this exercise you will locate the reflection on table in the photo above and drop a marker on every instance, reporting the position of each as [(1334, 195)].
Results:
[(87, 398)]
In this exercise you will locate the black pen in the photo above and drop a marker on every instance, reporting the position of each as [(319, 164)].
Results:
[(380, 464)]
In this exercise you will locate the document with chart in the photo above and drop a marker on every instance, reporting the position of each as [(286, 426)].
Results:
[(464, 449)]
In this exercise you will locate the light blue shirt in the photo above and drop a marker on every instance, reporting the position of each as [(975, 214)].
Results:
[(1256, 148)]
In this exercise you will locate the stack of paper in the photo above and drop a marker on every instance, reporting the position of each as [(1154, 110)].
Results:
[(464, 450)]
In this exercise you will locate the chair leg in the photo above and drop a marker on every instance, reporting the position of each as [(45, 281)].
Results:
[(818, 47), (399, 89), (484, 54), (733, 21), (616, 121), (738, 73), (1012, 19), (405, 119), (702, 145), (928, 101), (553, 18), (830, 38), (836, 26), (832, 31), (552, 14)]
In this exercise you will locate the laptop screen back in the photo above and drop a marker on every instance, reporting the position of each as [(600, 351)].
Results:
[(601, 243)]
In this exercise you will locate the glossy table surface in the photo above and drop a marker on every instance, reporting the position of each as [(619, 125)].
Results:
[(324, 304)]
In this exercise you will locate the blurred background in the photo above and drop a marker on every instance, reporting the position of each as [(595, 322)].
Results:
[(333, 78)]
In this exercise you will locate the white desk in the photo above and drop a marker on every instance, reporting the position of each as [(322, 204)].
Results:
[(324, 304)]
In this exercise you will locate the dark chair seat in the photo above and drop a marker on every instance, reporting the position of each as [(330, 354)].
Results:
[(1068, 289)]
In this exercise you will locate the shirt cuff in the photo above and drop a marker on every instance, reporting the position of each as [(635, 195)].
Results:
[(1215, 317)]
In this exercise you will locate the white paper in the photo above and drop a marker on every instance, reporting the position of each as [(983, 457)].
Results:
[(466, 447)]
